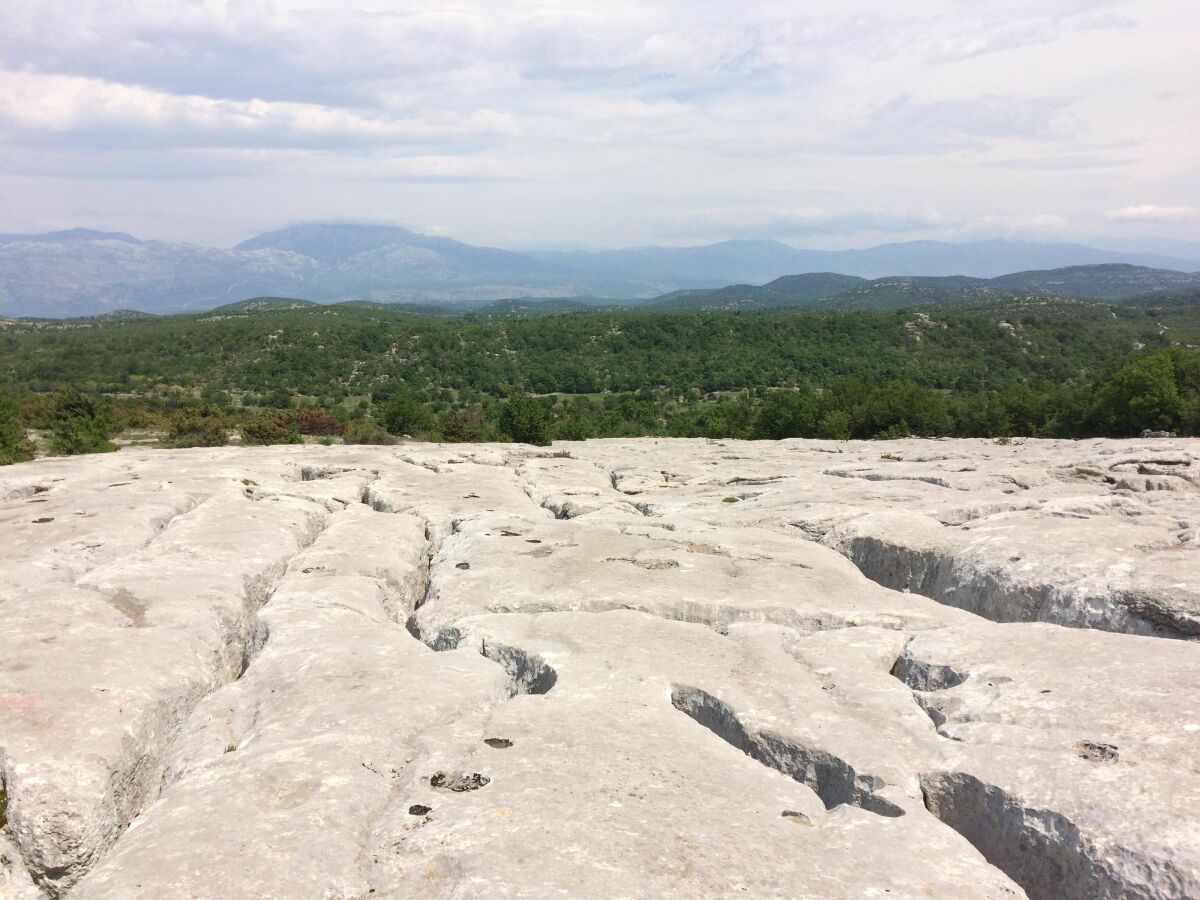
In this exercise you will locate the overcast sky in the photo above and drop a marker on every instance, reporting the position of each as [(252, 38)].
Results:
[(829, 123)]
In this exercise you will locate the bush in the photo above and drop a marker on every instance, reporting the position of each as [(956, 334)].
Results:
[(525, 420), (196, 427), (315, 422), (269, 428), (405, 414), (13, 445), (364, 431), (1145, 395), (455, 428), (79, 424), (786, 414), (834, 426)]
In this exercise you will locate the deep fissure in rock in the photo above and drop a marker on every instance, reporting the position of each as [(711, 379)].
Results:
[(833, 779), (1041, 850)]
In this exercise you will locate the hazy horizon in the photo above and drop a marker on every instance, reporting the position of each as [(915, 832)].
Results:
[(546, 124)]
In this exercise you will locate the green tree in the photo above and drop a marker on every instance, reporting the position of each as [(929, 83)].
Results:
[(786, 414), (79, 424), (456, 428), (525, 420), (403, 413), (364, 431), (13, 445), (202, 426), (269, 428), (1143, 394), (834, 426)]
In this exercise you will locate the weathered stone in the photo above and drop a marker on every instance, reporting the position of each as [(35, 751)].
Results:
[(617, 668)]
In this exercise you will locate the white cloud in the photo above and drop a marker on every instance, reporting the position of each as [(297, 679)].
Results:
[(1156, 214), (61, 104), (606, 121)]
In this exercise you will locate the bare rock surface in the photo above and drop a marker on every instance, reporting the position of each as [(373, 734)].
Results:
[(641, 668)]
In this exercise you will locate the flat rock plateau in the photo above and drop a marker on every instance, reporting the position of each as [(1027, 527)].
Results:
[(613, 669)]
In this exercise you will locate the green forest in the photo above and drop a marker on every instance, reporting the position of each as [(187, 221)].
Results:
[(997, 368)]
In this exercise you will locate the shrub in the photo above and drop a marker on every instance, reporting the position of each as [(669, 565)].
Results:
[(455, 428), (196, 427), (786, 414), (79, 424), (834, 426), (315, 422), (525, 420), (13, 445), (1145, 395), (269, 428), (405, 414), (364, 431)]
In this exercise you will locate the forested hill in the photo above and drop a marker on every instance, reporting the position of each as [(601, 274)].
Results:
[(844, 292), (1035, 366), (332, 352)]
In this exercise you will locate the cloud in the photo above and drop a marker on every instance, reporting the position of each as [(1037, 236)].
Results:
[(1001, 35), (805, 223), (1161, 215), (62, 104), (604, 121), (907, 126)]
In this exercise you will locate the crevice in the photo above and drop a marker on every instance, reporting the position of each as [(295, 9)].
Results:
[(921, 675), (991, 594), (833, 779), (1043, 851), (529, 672), (134, 787)]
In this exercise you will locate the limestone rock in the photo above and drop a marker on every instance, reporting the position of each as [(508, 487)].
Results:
[(644, 668)]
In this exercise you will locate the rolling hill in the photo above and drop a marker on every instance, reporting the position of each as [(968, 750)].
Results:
[(82, 272)]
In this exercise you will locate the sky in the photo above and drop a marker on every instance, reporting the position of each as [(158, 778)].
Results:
[(531, 123)]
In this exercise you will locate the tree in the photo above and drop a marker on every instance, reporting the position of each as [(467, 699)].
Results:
[(525, 420), (13, 445), (197, 427), (786, 414), (834, 426), (79, 424), (456, 428), (1142, 395), (269, 428), (403, 413)]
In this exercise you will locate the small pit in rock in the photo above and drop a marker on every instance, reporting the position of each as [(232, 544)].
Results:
[(798, 817), (1095, 751), (462, 565), (458, 781), (43, 520), (419, 809), (498, 743)]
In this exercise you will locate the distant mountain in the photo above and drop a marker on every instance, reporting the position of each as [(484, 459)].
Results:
[(788, 291), (73, 234), (759, 261), (262, 304), (1107, 282), (840, 292), (82, 272)]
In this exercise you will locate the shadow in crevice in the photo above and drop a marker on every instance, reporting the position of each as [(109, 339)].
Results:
[(833, 779)]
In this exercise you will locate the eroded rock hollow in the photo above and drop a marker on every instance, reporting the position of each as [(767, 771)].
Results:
[(608, 669)]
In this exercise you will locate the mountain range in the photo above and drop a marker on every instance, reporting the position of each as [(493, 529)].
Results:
[(83, 272)]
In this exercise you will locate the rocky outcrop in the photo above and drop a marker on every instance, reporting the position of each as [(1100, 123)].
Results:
[(641, 668)]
